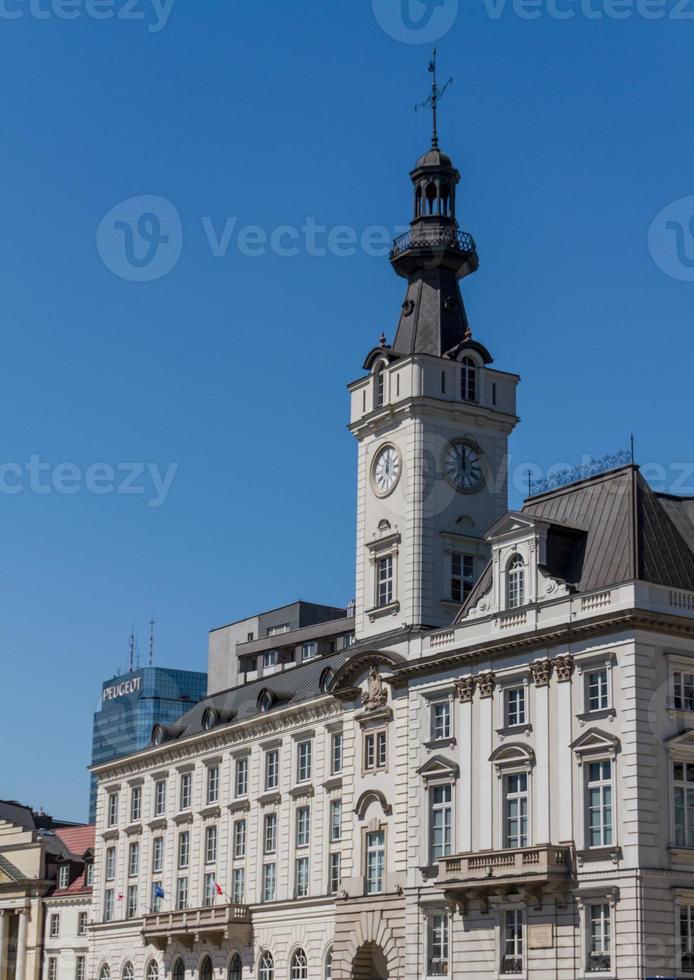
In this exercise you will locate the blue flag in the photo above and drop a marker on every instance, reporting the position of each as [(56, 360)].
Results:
[(158, 892)]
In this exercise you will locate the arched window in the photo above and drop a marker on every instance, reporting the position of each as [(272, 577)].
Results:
[(299, 966), (515, 586), (152, 970), (468, 380), (265, 701), (235, 967), (379, 386), (266, 967), (179, 970), (128, 971), (105, 972), (206, 971), (328, 971)]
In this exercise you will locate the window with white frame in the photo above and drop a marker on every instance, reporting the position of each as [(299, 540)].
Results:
[(298, 969), (211, 844), (184, 849), (182, 893), (270, 833), (683, 789), (133, 859), (209, 889), (379, 386), (597, 690), (241, 777), (335, 872), (270, 658), (112, 809), (375, 750), (108, 905), (303, 761), (81, 968), (441, 821), (441, 721), (157, 895), (686, 938), (152, 972), (462, 576), (512, 942), (599, 803), (82, 920), (516, 810), (683, 691), (266, 967), (303, 826), (328, 967), (52, 968), (238, 885), (54, 926), (335, 820), (301, 877), (269, 881), (468, 380), (135, 804), (375, 862), (131, 902), (185, 800), (212, 785), (598, 937), (514, 706), (64, 876), (438, 945), (272, 769), (157, 855), (239, 839), (89, 874), (384, 581), (110, 864), (336, 753), (515, 582), (160, 798), (309, 650)]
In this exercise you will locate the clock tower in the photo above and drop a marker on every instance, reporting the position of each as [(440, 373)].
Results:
[(432, 420)]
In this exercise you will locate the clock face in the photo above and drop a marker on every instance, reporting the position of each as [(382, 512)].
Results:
[(386, 471), (463, 467)]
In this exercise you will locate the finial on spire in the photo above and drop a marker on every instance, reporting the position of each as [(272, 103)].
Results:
[(382, 341), (433, 101)]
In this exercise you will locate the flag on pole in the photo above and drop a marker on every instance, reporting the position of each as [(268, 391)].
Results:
[(159, 892), (218, 888), (119, 898)]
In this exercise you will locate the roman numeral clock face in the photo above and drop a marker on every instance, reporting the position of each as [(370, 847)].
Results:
[(386, 471), (463, 467)]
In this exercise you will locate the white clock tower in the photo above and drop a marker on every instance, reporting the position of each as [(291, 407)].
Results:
[(432, 420)]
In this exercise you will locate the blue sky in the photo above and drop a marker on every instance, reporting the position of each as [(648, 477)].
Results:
[(571, 135)]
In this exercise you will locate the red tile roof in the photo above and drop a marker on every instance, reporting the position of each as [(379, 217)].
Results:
[(78, 840)]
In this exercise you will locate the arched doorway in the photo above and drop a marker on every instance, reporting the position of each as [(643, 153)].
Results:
[(369, 963)]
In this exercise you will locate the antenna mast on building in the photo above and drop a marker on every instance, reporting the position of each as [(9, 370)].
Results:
[(151, 641), (132, 648)]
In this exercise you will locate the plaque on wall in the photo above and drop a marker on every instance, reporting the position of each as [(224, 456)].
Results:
[(541, 937)]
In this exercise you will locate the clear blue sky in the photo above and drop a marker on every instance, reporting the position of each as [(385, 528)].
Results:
[(571, 136)]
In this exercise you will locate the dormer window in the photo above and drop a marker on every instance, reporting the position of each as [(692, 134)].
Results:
[(209, 719), (515, 586), (468, 380), (265, 701), (64, 876)]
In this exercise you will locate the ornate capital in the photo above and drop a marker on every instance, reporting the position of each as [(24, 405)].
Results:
[(486, 684), (465, 688), (541, 671), (563, 667)]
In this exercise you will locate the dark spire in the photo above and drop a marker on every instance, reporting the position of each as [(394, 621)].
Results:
[(434, 254), (433, 100)]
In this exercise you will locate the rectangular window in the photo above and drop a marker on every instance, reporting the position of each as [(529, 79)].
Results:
[(238, 885), (599, 803), (131, 902), (157, 855), (303, 826), (181, 894), (160, 798), (81, 968), (135, 804), (239, 839), (156, 896), (348, 640), (599, 958), (52, 968), (108, 905), (89, 874), (384, 581), (303, 773), (683, 691), (210, 845), (309, 650), (437, 959), (441, 721), (335, 872), (277, 630), (186, 795), (514, 706), (241, 781), (336, 820), (512, 942), (184, 849), (596, 688), (683, 785), (270, 833), (686, 939), (112, 809), (55, 926), (212, 785), (133, 859), (462, 576), (64, 876), (272, 769), (516, 810), (209, 890), (375, 750), (110, 863), (82, 920), (270, 658), (441, 821), (269, 882), (375, 862), (301, 877), (336, 753)]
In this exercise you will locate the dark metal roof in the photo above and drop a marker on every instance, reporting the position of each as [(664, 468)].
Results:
[(433, 318)]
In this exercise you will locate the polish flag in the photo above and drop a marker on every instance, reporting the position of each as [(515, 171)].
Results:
[(218, 888), (119, 898)]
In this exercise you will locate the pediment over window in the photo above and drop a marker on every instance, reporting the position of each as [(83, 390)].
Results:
[(439, 768), (372, 796), (596, 740), (682, 740), (513, 754), (512, 522)]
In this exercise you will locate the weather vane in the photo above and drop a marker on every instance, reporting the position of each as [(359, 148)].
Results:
[(433, 100)]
